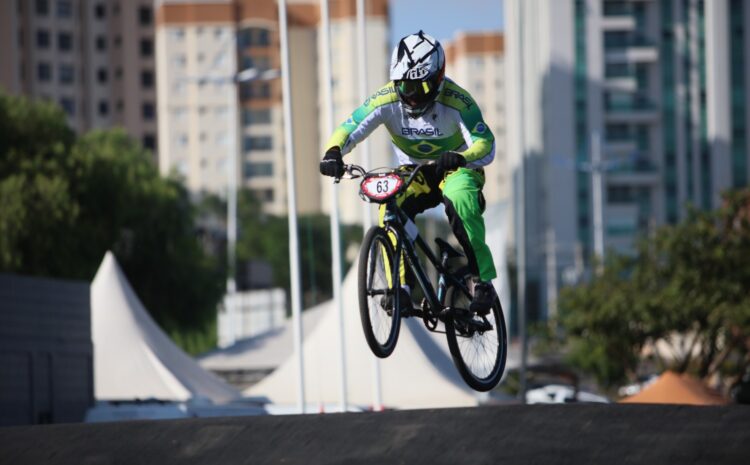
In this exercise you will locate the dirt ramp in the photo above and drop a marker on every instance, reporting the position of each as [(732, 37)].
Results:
[(559, 434)]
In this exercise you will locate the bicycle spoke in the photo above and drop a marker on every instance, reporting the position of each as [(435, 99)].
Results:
[(377, 292)]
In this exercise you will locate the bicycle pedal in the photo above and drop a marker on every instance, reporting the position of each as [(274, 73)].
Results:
[(410, 312)]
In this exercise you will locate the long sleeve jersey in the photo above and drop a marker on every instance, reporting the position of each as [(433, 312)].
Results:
[(454, 123)]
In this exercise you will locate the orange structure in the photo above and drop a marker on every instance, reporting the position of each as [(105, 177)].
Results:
[(672, 388)]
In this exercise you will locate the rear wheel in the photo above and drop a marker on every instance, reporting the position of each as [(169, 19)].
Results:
[(478, 344), (378, 278)]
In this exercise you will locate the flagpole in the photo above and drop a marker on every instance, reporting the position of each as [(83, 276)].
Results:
[(292, 205), (377, 403), (335, 230)]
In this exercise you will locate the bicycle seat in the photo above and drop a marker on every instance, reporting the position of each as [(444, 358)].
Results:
[(447, 248)]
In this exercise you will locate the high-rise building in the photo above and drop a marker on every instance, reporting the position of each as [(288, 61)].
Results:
[(475, 61), (200, 45), (347, 95), (94, 58), (658, 88)]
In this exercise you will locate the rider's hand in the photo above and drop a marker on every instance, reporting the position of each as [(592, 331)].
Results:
[(332, 164), (449, 161)]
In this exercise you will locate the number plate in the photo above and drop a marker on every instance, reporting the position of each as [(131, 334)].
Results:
[(381, 187)]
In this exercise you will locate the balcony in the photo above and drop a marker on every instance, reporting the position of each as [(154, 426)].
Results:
[(638, 171), (624, 47), (618, 16), (620, 146), (634, 109)]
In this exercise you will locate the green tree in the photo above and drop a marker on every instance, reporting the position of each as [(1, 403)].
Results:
[(686, 287), (69, 200)]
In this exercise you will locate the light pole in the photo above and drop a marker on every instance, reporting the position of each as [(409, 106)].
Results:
[(291, 189), (335, 228), (233, 80), (377, 403), (246, 75)]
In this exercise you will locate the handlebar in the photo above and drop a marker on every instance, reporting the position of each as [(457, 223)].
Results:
[(355, 171)]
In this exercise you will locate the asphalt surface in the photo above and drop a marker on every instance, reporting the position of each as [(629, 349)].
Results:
[(509, 435)]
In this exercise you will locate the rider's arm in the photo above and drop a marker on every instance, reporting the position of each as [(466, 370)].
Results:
[(364, 120), (479, 139)]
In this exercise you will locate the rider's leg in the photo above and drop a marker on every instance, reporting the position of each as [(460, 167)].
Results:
[(464, 205), (422, 194)]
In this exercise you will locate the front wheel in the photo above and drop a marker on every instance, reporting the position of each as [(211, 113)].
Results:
[(377, 280), (478, 344)]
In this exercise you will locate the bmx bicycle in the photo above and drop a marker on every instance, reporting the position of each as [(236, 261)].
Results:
[(477, 343)]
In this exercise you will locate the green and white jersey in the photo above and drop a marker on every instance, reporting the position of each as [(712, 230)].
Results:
[(453, 123)]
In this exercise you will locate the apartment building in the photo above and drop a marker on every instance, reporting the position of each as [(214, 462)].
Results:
[(475, 60), (347, 95), (657, 88), (202, 44), (95, 58)]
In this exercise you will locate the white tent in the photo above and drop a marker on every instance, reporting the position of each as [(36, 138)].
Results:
[(133, 358), (265, 351), (496, 224), (419, 374)]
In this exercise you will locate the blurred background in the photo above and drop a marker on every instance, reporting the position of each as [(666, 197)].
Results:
[(618, 200)]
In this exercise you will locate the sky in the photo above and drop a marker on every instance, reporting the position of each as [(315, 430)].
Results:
[(443, 18)]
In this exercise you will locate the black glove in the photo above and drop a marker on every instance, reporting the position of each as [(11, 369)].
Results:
[(449, 161), (332, 164)]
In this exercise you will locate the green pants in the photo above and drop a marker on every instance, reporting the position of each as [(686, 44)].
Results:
[(461, 192)]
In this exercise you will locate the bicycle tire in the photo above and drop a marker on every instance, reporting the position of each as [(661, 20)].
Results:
[(381, 338), (485, 377)]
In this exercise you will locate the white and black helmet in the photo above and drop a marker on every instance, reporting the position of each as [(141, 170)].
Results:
[(418, 72)]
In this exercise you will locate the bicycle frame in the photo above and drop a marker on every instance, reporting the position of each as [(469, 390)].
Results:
[(394, 222)]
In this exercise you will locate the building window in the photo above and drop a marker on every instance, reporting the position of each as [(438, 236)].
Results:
[(100, 11), (145, 16), (260, 63), (42, 7), (148, 111), (222, 139), (68, 105), (259, 116), (254, 37), (149, 142), (101, 43), (179, 113), (65, 41), (179, 61), (118, 73), (118, 41), (147, 47), (103, 108), (147, 79), (42, 38), (257, 143), (64, 8), (255, 90), (102, 75), (66, 74), (44, 72), (177, 34), (120, 106), (253, 170)]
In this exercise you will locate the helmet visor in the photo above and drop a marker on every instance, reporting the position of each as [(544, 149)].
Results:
[(416, 94)]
